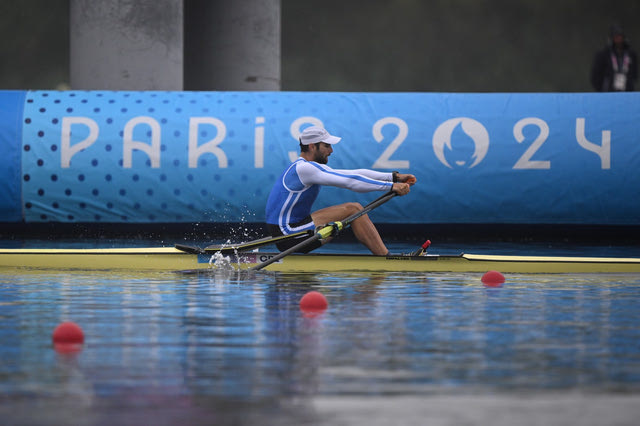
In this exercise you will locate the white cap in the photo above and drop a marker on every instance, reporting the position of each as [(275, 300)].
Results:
[(315, 134)]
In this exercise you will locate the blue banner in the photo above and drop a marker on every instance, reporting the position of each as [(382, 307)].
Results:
[(212, 156), (11, 106)]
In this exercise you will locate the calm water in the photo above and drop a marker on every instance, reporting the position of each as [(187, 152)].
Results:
[(392, 348)]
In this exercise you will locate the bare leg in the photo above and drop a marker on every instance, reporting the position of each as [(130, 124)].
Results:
[(364, 230)]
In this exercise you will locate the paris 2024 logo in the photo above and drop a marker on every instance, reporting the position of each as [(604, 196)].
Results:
[(464, 156)]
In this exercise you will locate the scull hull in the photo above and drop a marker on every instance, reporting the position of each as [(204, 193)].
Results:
[(172, 259)]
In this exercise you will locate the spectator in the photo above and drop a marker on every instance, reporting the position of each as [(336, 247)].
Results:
[(615, 68)]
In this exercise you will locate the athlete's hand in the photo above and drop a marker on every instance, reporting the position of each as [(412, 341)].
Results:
[(401, 188), (406, 178)]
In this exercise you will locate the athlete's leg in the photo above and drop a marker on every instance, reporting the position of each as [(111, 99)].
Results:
[(364, 230)]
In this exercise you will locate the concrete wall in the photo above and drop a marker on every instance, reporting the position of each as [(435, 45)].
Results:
[(126, 45), (232, 45), (175, 45)]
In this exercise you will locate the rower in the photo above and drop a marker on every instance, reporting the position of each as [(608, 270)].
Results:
[(289, 204)]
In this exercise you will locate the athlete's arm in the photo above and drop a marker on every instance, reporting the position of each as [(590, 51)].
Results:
[(311, 173)]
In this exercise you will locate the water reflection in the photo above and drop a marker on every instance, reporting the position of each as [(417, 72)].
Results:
[(243, 335)]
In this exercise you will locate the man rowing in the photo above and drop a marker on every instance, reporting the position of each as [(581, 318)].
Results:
[(289, 204)]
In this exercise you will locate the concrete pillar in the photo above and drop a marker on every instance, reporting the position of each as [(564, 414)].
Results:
[(232, 45), (126, 44)]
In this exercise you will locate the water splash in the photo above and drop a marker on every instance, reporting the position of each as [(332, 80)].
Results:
[(220, 262)]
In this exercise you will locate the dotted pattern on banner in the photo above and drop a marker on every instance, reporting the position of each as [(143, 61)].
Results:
[(75, 148)]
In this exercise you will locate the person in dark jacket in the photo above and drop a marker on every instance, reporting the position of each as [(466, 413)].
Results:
[(615, 68)]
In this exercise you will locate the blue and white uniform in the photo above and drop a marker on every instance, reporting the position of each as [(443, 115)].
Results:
[(290, 201)]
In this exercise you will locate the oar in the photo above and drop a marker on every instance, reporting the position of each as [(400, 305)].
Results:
[(249, 245), (328, 231), (231, 249)]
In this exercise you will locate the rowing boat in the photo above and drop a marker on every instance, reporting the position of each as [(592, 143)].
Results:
[(173, 259)]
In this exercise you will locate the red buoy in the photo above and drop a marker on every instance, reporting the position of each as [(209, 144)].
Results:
[(313, 301), (68, 332), (493, 279)]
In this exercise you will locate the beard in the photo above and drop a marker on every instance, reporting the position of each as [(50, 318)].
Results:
[(320, 159)]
